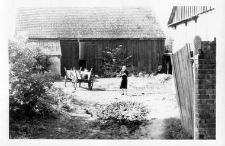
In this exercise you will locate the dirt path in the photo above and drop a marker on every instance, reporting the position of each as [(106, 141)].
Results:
[(157, 92)]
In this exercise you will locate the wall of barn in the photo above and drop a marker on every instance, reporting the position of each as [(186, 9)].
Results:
[(146, 54), (203, 27)]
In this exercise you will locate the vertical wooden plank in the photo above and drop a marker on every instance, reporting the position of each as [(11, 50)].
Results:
[(97, 55), (138, 60), (181, 87), (175, 75), (191, 93), (142, 49), (155, 55), (134, 53), (147, 56), (191, 84), (139, 55), (143, 56), (160, 52), (186, 101), (186, 97), (183, 97), (152, 55), (177, 83), (131, 51), (189, 104)]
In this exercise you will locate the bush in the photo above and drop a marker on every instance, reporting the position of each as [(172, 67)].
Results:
[(113, 60), (131, 114), (174, 130), (29, 80), (169, 44)]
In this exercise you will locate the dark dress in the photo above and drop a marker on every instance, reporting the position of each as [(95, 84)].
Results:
[(124, 80)]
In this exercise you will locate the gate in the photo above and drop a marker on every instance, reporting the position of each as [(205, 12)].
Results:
[(184, 82)]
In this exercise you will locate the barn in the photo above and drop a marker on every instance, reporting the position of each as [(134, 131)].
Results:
[(75, 36)]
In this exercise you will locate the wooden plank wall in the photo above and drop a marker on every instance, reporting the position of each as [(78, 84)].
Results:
[(184, 81), (147, 54), (184, 12)]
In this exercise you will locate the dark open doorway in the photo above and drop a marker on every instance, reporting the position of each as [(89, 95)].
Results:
[(82, 64), (167, 63)]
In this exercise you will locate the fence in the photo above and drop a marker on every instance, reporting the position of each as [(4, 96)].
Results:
[(184, 81)]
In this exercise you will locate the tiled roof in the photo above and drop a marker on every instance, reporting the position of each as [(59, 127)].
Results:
[(89, 22)]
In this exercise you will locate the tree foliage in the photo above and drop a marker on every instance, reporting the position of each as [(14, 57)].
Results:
[(113, 60), (29, 79), (169, 44)]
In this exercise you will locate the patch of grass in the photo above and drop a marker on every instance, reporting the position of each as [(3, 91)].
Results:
[(174, 130), (26, 129), (121, 118), (111, 130)]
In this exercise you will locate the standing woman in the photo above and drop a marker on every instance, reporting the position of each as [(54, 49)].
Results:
[(124, 74)]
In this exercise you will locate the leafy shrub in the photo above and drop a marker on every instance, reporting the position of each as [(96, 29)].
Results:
[(113, 60), (29, 80), (55, 95), (174, 130), (131, 114), (169, 44)]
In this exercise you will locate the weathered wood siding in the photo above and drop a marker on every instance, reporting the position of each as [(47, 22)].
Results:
[(147, 54), (184, 81)]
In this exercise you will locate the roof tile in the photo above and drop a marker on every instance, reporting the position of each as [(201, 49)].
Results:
[(89, 22)]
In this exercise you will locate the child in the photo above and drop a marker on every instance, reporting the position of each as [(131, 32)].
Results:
[(124, 74)]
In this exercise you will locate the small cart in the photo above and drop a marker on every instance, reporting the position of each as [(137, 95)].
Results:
[(78, 76)]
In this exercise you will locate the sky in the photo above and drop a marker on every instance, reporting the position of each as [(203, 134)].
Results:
[(162, 8), (162, 12)]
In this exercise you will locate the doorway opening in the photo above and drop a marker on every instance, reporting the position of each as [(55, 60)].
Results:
[(82, 64)]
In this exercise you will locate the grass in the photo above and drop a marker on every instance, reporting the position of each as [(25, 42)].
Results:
[(174, 129)]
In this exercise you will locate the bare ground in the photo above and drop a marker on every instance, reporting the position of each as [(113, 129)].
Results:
[(157, 92)]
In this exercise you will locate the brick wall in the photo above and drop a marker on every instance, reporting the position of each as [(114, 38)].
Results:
[(205, 92)]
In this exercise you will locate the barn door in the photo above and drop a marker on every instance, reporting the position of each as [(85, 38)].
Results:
[(89, 54), (70, 55)]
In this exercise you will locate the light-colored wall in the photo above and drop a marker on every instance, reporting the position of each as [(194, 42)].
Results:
[(55, 64), (50, 47), (53, 49), (204, 27)]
